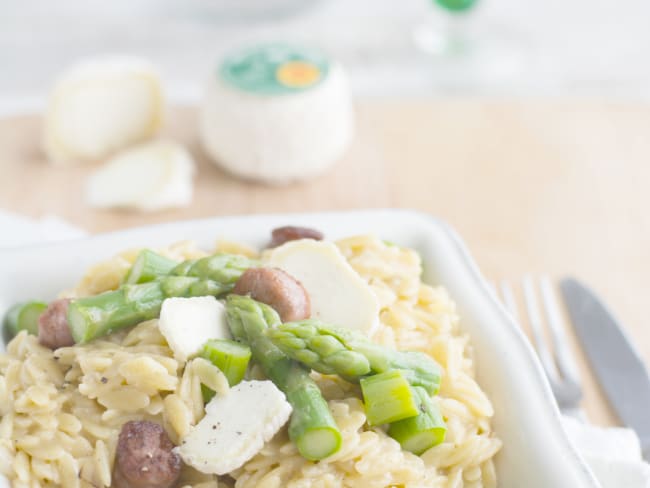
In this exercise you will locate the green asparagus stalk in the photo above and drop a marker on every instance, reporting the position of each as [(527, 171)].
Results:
[(230, 357), (95, 316), (22, 316), (131, 304), (221, 267), (312, 427), (417, 434), (351, 355), (388, 398), (148, 266)]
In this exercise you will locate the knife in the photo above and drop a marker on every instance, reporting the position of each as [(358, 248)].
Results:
[(613, 358)]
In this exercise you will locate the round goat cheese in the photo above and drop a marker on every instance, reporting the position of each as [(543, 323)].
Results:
[(100, 106), (277, 114)]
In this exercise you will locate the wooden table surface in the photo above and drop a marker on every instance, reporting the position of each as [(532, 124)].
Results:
[(533, 187)]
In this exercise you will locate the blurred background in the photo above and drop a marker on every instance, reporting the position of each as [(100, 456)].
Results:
[(584, 48)]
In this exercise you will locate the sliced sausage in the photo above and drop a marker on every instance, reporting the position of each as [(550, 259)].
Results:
[(278, 289), (292, 233), (144, 457), (53, 328)]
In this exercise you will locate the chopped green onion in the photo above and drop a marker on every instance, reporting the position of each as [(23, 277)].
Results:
[(417, 434), (388, 397)]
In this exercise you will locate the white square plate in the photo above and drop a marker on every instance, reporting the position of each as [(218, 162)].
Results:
[(536, 452)]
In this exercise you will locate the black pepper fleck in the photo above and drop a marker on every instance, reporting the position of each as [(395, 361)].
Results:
[(104, 379)]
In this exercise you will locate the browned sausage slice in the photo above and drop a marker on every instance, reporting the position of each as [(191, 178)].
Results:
[(278, 289), (53, 329), (144, 457), (292, 233)]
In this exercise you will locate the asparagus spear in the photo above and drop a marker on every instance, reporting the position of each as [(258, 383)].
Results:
[(417, 434), (102, 314), (312, 427), (388, 398), (130, 304), (148, 266), (351, 355), (22, 316), (221, 267), (230, 357)]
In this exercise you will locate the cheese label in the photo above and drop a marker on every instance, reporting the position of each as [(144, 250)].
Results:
[(274, 69)]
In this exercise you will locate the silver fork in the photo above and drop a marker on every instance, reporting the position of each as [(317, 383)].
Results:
[(560, 368)]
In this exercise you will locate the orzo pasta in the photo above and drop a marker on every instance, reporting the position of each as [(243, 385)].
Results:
[(62, 410)]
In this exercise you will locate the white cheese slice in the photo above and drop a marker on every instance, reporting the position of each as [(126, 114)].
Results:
[(100, 106), (235, 427), (148, 177), (338, 295), (186, 323)]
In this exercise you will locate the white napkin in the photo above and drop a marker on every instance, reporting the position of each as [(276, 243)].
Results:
[(613, 454), (18, 230)]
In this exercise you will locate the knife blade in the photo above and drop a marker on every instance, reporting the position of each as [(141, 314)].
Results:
[(615, 361)]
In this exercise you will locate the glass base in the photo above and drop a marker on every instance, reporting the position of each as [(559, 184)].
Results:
[(465, 55)]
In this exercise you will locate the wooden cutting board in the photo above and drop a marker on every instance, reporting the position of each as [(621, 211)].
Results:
[(533, 187)]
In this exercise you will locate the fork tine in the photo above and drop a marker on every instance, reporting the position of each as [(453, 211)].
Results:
[(563, 355), (537, 328)]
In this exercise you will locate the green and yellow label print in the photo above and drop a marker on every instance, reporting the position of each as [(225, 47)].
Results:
[(275, 69)]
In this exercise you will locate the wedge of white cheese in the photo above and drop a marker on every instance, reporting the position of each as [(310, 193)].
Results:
[(235, 427), (186, 323), (149, 177), (338, 295), (102, 105)]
